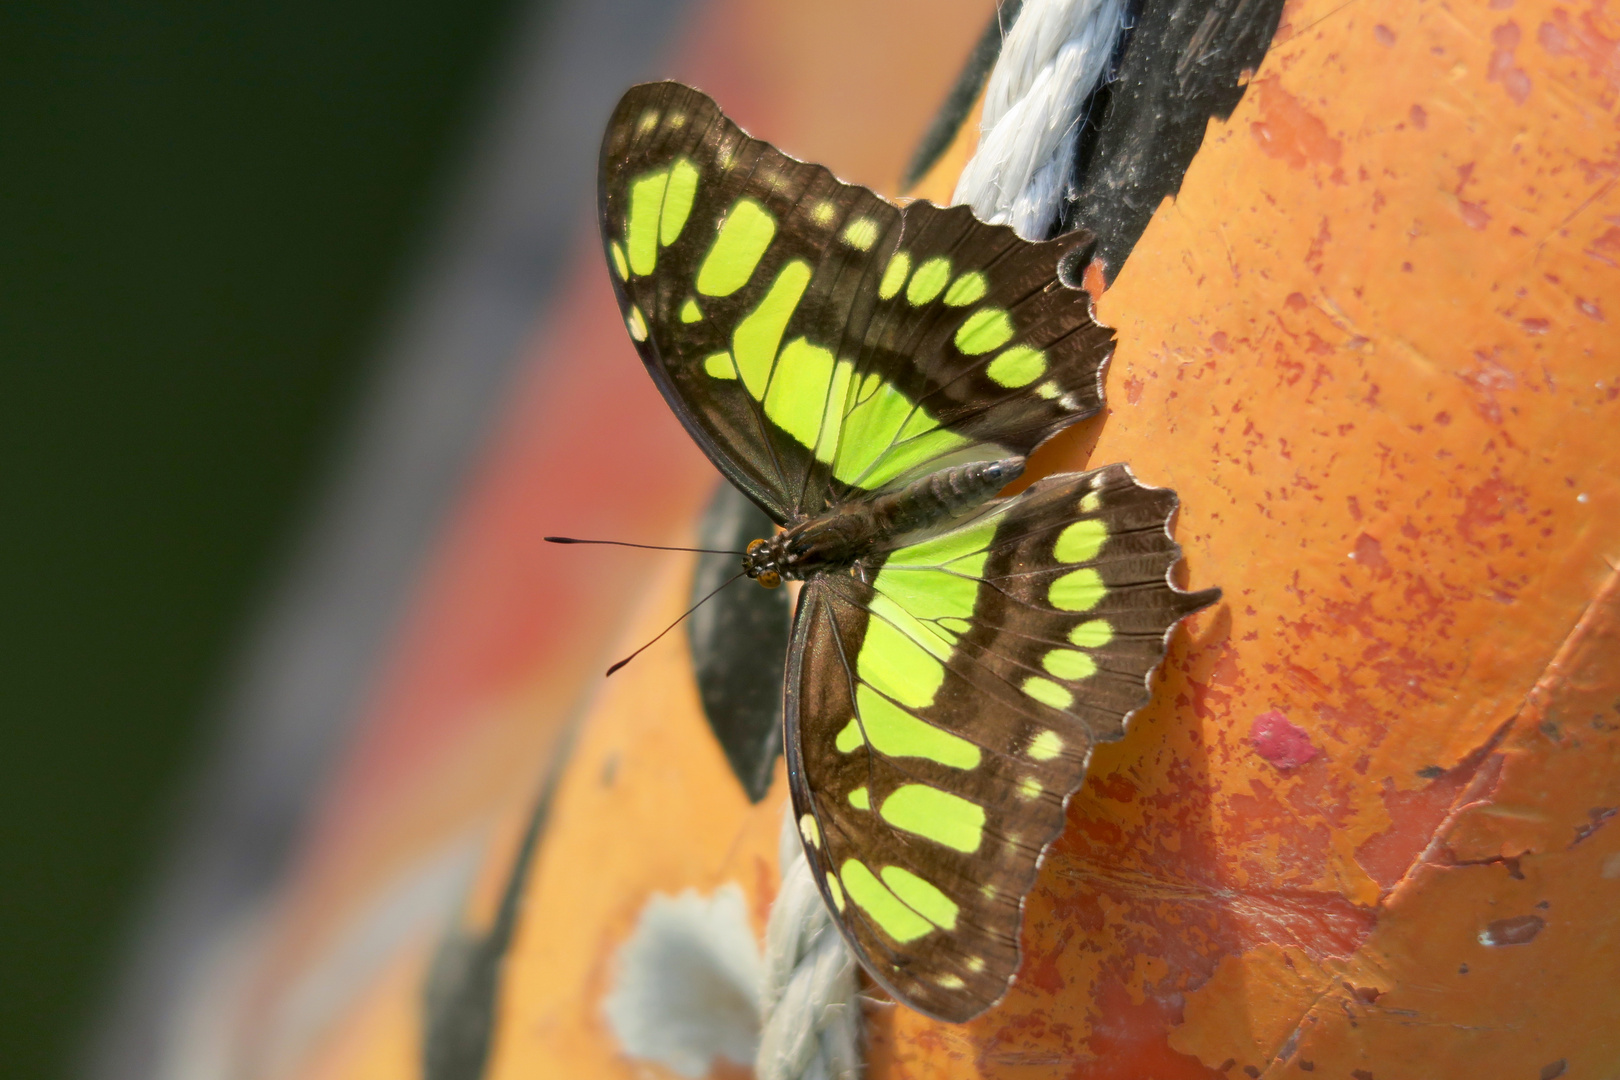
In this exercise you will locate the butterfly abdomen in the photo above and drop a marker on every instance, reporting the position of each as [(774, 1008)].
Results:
[(842, 536), (942, 495)]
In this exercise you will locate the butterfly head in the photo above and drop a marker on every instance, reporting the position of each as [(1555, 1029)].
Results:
[(760, 563)]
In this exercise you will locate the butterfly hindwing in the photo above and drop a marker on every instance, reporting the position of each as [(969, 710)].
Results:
[(940, 715), (817, 340)]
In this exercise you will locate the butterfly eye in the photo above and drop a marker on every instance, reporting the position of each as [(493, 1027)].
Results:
[(770, 579), (754, 545)]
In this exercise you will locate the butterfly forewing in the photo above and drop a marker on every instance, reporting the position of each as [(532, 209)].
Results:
[(940, 715), (818, 341)]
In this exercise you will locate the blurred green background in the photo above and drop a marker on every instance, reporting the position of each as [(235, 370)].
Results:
[(204, 211)]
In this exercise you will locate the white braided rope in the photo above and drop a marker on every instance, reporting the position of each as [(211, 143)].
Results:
[(810, 1018), (1056, 53)]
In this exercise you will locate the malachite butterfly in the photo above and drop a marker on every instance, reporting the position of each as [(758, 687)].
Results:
[(872, 375)]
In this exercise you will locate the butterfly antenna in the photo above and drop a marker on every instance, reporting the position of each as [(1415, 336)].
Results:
[(676, 623), (645, 547)]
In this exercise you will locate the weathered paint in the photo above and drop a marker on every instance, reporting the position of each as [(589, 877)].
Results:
[(1385, 412)]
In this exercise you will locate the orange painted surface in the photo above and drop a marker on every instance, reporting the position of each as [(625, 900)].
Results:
[(1364, 829), (1369, 344), (645, 757)]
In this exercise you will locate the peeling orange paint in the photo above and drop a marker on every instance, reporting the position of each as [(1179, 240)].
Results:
[(1242, 1014)]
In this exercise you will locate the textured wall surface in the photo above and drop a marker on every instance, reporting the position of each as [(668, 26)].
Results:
[(1361, 829)]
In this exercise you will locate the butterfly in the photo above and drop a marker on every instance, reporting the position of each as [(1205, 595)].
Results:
[(872, 375)]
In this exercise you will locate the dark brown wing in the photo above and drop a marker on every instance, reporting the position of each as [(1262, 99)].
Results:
[(940, 717), (816, 340)]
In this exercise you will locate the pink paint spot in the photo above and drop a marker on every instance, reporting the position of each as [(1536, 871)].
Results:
[(1420, 117), (1487, 505), (1285, 745), (1290, 132), (1587, 39), (1609, 241), (1503, 67), (1369, 554), (1474, 214), (1488, 379)]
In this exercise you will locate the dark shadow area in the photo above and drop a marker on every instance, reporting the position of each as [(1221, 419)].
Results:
[(739, 643), (1185, 62), (205, 211)]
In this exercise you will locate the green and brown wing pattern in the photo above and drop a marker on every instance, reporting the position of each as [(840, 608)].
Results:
[(817, 340), (940, 715)]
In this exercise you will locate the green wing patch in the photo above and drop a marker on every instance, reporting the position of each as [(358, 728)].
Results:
[(940, 715), (818, 341)]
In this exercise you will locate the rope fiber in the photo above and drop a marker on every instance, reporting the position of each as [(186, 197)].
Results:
[(1056, 54), (808, 972)]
